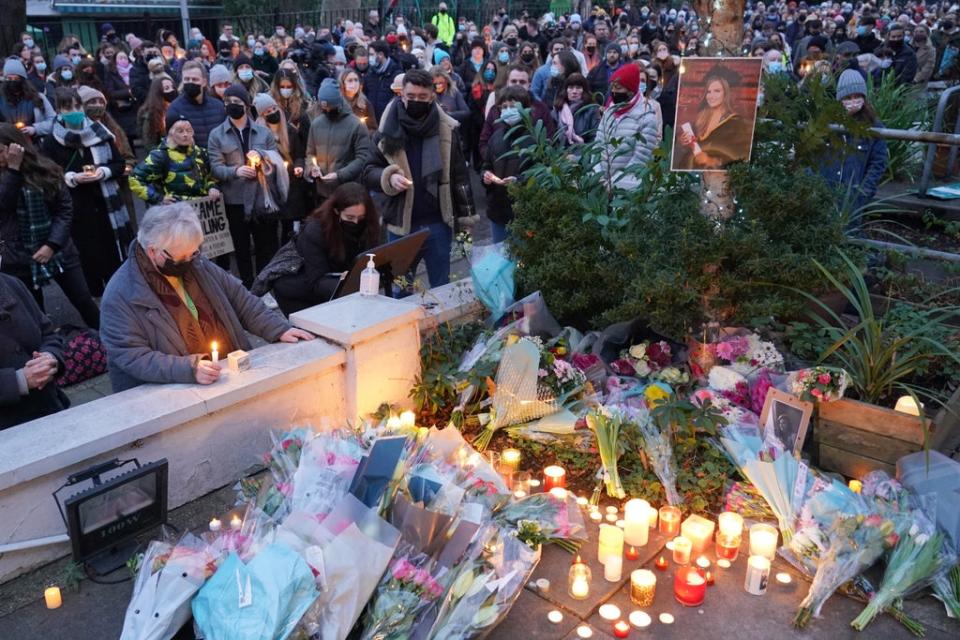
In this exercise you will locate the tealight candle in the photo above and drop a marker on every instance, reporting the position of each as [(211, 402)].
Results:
[(681, 550), (612, 509), (856, 486), (621, 629), (640, 619), (609, 612), (633, 554), (215, 525), (758, 572), (596, 516), (666, 618), (784, 578), (555, 617), (906, 404), (519, 493), (710, 579), (661, 564), (610, 543), (214, 353), (730, 524), (393, 422), (621, 523), (613, 568), (408, 419), (611, 517), (703, 563), (509, 461), (236, 522), (582, 502), (689, 587), (583, 631), (699, 531), (554, 476), (636, 529), (723, 563), (578, 580), (669, 520), (559, 493), (643, 586), (52, 597), (534, 484), (763, 540), (727, 546)]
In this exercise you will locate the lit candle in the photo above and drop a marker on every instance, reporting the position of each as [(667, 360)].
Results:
[(666, 618), (554, 476), (699, 531), (596, 516), (214, 353), (519, 493), (643, 586), (856, 486), (636, 528), (555, 617), (408, 419), (559, 493), (534, 484), (730, 524), (703, 563), (215, 525), (621, 629), (633, 554), (509, 461), (610, 543), (609, 612), (236, 522), (723, 563), (640, 619), (578, 580), (621, 523), (681, 550), (784, 578), (763, 540), (253, 158), (393, 422), (582, 502), (689, 587), (654, 517), (728, 546), (669, 521), (584, 631), (613, 510), (52, 597), (20, 125), (611, 517), (758, 572), (661, 564), (613, 569), (709, 576), (906, 404)]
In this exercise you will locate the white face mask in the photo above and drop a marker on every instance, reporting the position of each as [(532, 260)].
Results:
[(286, 93), (852, 105)]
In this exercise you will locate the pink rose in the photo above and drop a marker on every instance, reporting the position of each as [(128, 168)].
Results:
[(873, 520), (421, 577), (824, 378), (584, 361), (816, 393), (622, 367)]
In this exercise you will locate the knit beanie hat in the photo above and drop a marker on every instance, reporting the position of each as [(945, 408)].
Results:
[(241, 60), (237, 91), (439, 54), (60, 61), (613, 46), (88, 93), (820, 42), (133, 41), (850, 83), (263, 101), (329, 92), (13, 67), (173, 117), (628, 76), (219, 73)]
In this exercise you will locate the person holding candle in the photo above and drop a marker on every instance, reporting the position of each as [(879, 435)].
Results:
[(292, 148), (21, 104), (339, 144), (167, 303)]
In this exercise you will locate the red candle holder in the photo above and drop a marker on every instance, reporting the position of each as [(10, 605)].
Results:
[(689, 586), (661, 564), (633, 554), (727, 547), (554, 477), (621, 629)]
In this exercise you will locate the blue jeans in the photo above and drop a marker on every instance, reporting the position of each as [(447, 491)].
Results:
[(498, 232), (435, 251)]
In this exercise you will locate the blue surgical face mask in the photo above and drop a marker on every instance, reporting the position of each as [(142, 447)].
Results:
[(774, 67), (73, 119), (861, 31), (886, 63), (643, 88), (503, 57), (66, 74), (258, 51), (251, 42), (29, 42), (489, 75), (75, 59), (554, 71), (510, 115), (245, 74), (41, 66), (286, 92)]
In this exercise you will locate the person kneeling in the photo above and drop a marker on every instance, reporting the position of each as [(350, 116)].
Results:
[(167, 304)]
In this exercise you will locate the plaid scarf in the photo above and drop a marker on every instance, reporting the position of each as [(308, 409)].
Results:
[(33, 229)]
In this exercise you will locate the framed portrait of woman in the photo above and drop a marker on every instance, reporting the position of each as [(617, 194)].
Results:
[(784, 421), (716, 113)]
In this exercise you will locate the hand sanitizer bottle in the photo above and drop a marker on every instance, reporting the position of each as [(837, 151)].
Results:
[(370, 279)]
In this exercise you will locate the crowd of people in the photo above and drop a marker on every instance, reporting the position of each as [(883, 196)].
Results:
[(325, 140)]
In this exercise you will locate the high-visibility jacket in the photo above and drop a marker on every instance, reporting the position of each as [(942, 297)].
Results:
[(446, 27)]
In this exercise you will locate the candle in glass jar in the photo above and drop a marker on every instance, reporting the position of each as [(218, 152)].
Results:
[(554, 476), (681, 550), (509, 461), (763, 540), (699, 531), (621, 629), (636, 522), (758, 573), (689, 587), (654, 517), (236, 523), (613, 568), (730, 523), (669, 520), (643, 586), (578, 580), (408, 419), (632, 553), (52, 597), (610, 542), (596, 516), (661, 564), (728, 546)]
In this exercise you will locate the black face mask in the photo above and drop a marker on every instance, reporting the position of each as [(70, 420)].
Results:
[(236, 111), (273, 118), (619, 97), (332, 113), (171, 95), (352, 230), (15, 86), (191, 89), (175, 269), (362, 66), (896, 45), (511, 42), (591, 49), (417, 110), (527, 57)]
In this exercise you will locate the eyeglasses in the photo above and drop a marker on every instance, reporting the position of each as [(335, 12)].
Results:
[(193, 256)]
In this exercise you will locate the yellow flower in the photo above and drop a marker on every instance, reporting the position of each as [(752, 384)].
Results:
[(655, 395), (512, 339)]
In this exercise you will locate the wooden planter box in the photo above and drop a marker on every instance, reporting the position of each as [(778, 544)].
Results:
[(854, 438)]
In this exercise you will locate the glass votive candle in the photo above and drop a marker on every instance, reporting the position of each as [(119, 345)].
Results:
[(730, 523), (643, 586), (578, 580), (689, 586), (493, 457), (727, 546), (681, 550), (554, 476), (758, 574), (669, 520), (509, 461), (521, 482), (763, 540)]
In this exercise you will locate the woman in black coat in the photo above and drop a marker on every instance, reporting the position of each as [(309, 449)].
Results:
[(120, 99), (31, 355), (342, 228), (500, 168)]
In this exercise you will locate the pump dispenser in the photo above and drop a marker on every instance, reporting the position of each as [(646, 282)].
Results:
[(370, 278)]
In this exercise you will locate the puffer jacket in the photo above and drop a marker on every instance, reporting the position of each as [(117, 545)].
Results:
[(205, 116), (168, 170), (341, 145), (639, 131)]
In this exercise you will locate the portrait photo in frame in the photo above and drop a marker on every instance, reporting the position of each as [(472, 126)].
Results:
[(784, 421)]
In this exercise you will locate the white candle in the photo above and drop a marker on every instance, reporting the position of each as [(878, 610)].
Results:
[(583, 631), (699, 531), (214, 353), (595, 516), (52, 597), (636, 529), (236, 523), (723, 563), (519, 493), (784, 578), (613, 510), (703, 563), (681, 550), (906, 404), (611, 517), (613, 568), (763, 540), (640, 619), (393, 422), (731, 524), (654, 517), (758, 572), (582, 502), (609, 612), (610, 543), (666, 618), (580, 588), (543, 585), (215, 525), (408, 419), (621, 524), (509, 460), (555, 617)]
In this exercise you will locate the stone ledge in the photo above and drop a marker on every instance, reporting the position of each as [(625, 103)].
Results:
[(43, 446), (454, 302)]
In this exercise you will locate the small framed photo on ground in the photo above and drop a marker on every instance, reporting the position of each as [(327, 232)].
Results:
[(784, 420)]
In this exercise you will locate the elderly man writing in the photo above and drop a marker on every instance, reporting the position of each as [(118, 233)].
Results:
[(166, 304)]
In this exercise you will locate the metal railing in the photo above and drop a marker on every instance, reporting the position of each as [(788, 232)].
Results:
[(951, 139)]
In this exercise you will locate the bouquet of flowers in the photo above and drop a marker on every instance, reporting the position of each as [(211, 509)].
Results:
[(855, 543), (748, 354), (543, 517), (946, 586), (650, 360), (659, 453), (743, 498), (407, 588), (606, 424), (818, 384)]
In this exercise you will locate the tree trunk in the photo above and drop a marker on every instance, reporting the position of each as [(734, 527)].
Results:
[(14, 22)]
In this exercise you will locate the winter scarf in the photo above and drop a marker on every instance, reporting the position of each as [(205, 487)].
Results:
[(407, 128), (33, 229)]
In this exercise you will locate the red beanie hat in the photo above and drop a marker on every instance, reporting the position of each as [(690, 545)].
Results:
[(628, 76)]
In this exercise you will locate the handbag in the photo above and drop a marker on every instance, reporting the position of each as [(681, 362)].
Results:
[(84, 357), (287, 261)]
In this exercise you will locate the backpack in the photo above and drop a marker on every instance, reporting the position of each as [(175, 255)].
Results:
[(84, 356)]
